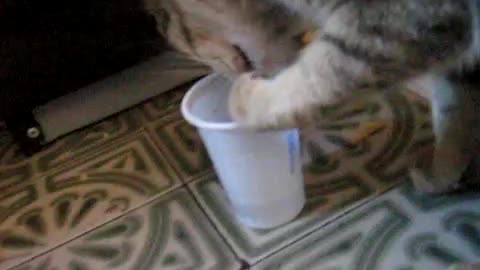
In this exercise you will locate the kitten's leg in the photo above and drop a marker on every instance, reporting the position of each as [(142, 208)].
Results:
[(323, 75), (357, 46), (454, 117)]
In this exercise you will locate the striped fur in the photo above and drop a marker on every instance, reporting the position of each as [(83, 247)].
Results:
[(359, 44), (381, 42)]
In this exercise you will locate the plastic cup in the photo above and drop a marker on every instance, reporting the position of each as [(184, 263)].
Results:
[(261, 172)]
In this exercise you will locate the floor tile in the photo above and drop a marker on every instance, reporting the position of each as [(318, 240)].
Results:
[(178, 140), (381, 158), (339, 175), (39, 213), (400, 230), (170, 233), (182, 146)]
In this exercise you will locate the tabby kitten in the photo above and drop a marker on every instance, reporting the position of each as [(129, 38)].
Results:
[(359, 44), (380, 43)]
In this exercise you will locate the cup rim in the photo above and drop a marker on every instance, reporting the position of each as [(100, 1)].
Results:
[(197, 121)]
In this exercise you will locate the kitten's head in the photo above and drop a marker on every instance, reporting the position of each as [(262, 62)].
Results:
[(231, 36)]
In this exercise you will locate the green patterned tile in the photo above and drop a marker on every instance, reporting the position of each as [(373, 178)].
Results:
[(45, 212), (182, 146), (383, 157), (391, 232), (407, 130), (338, 174), (170, 233)]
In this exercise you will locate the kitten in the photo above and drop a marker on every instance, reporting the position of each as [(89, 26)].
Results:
[(359, 44), (231, 36), (379, 43)]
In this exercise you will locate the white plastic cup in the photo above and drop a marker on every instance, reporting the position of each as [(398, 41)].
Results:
[(261, 172)]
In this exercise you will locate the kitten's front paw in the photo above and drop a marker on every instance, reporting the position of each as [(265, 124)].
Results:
[(284, 101), (257, 103), (249, 102)]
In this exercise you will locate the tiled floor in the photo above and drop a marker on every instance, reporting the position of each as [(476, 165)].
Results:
[(137, 191)]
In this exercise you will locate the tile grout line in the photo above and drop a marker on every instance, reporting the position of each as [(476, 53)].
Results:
[(223, 237), (330, 222), (158, 148)]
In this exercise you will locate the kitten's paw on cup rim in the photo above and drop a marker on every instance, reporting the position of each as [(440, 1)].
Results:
[(239, 100)]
